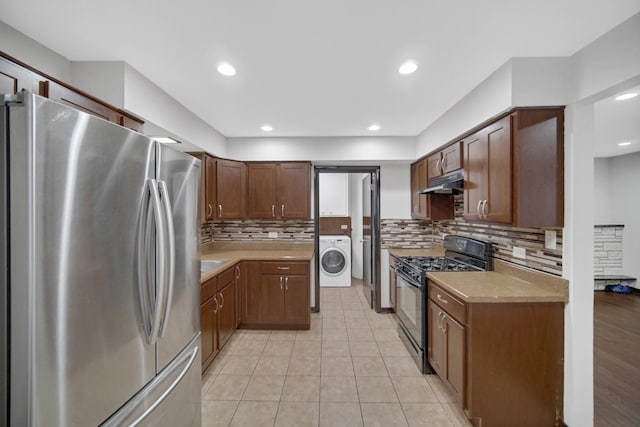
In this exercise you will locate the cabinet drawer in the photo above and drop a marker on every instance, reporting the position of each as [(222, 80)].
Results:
[(454, 307), (208, 289), (285, 268), (226, 277)]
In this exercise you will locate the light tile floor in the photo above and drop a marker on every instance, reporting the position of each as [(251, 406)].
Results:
[(349, 369)]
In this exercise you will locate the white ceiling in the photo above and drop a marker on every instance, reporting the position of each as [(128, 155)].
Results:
[(615, 122), (315, 68)]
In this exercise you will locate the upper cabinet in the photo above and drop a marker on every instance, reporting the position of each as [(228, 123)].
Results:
[(16, 77), (428, 206), (514, 170), (444, 161), (334, 194), (208, 188), (279, 190), (231, 188)]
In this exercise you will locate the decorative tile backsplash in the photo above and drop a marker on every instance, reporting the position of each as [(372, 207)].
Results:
[(252, 230), (505, 238), (607, 249), (405, 233)]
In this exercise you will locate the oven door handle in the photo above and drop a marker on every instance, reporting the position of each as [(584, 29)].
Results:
[(408, 280)]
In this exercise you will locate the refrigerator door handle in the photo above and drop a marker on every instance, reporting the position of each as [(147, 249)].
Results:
[(143, 245), (161, 260), (171, 246)]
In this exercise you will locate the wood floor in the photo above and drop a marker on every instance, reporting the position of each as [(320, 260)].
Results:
[(616, 359)]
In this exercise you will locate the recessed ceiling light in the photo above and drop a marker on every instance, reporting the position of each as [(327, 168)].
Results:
[(374, 127), (626, 96), (266, 128), (624, 144), (165, 140), (226, 69), (408, 67)]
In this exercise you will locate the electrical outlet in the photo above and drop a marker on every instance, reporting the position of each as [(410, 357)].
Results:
[(550, 239), (343, 227), (519, 252), (444, 235), (273, 234)]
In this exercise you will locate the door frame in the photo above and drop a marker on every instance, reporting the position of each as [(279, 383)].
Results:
[(374, 172)]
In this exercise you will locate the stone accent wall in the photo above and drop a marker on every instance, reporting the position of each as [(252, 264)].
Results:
[(505, 238), (607, 249), (406, 234), (256, 230)]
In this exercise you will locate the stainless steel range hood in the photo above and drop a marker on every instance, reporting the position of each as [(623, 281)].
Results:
[(451, 183)]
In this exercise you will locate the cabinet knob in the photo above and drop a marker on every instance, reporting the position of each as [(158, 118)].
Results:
[(222, 298), (283, 211), (280, 282), (220, 211), (210, 210), (273, 211), (215, 310), (286, 283)]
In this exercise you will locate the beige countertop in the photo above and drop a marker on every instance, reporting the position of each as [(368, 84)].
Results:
[(494, 287), (507, 283), (234, 252)]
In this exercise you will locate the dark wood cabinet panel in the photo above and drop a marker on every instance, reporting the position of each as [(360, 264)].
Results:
[(279, 190), (262, 190), (208, 332), (428, 206), (272, 302), (434, 166), (14, 78), (296, 299), (231, 184), (487, 164), (436, 350), (226, 321), (207, 186), (444, 161), (294, 184), (454, 334), (250, 302)]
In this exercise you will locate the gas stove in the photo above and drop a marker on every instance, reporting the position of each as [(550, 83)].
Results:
[(417, 266)]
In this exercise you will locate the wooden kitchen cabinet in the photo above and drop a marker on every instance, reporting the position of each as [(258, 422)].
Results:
[(446, 340), (280, 299), (444, 161), (226, 296), (428, 206), (231, 189), (514, 170), (279, 190), (503, 362), (15, 78), (208, 326), (249, 300), (207, 186)]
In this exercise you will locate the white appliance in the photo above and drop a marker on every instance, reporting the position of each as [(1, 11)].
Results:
[(335, 261)]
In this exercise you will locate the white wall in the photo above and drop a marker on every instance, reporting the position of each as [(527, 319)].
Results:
[(616, 180), (102, 79), (395, 191), (33, 53), (601, 191)]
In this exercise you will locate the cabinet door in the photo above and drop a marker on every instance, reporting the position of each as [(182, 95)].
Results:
[(297, 299), (437, 345), (294, 189), (64, 95), (419, 182), (231, 182), (434, 166), (452, 157), (226, 313), (272, 299), (262, 189), (475, 167), (415, 197), (455, 357), (208, 331), (497, 207), (241, 292), (209, 188), (252, 292), (14, 78)]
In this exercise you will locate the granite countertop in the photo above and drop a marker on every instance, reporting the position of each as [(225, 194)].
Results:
[(494, 287), (234, 252)]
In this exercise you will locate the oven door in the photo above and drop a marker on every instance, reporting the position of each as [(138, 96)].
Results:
[(410, 308)]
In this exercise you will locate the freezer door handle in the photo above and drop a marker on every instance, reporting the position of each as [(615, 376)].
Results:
[(171, 260), (144, 268), (161, 249)]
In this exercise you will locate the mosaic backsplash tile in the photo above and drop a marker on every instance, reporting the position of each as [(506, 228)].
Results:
[(405, 233), (252, 230)]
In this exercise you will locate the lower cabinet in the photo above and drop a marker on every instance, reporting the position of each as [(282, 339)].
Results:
[(503, 362), (277, 295), (217, 314)]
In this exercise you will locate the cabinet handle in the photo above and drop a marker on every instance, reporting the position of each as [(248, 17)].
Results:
[(440, 320), (216, 309), (442, 300), (478, 208), (219, 211), (286, 283), (484, 207), (273, 211), (222, 298), (280, 282), (444, 164), (210, 210), (283, 268), (237, 272), (444, 327), (282, 211), (438, 166)]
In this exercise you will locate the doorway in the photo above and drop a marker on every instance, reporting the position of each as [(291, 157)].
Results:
[(370, 231)]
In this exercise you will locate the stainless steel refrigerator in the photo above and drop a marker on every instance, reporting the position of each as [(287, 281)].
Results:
[(100, 270)]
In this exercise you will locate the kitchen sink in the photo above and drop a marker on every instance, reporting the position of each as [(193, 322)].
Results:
[(209, 265)]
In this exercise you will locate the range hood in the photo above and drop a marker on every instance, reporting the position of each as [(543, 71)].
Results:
[(451, 183)]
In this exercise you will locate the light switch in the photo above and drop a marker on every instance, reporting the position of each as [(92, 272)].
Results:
[(273, 234)]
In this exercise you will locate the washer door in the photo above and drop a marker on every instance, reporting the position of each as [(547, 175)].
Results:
[(333, 261)]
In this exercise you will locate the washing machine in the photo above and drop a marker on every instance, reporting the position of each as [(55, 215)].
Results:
[(335, 261)]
